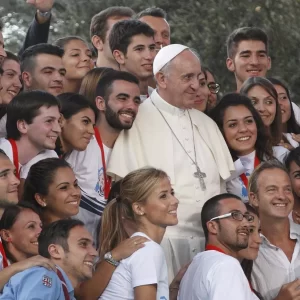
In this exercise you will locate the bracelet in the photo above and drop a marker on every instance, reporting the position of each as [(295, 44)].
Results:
[(44, 14)]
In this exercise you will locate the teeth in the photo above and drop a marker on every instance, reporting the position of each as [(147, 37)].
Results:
[(282, 111), (35, 243), (173, 212), (127, 115), (12, 93), (245, 138), (280, 205), (73, 202), (88, 263)]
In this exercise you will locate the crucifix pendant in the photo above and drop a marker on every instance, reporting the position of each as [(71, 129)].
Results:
[(200, 175)]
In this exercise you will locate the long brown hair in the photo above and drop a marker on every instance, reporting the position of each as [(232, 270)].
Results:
[(137, 186)]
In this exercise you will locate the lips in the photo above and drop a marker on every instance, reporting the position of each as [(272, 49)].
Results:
[(36, 243), (129, 115), (74, 202), (254, 72), (244, 138), (88, 263)]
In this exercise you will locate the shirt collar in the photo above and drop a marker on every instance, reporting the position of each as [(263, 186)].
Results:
[(164, 106), (67, 280), (294, 232)]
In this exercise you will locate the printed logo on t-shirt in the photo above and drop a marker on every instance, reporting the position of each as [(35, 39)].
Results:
[(100, 184)]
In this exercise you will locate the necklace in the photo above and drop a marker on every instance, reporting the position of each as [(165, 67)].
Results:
[(198, 174)]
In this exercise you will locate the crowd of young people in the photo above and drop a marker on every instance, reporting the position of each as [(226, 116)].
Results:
[(124, 175)]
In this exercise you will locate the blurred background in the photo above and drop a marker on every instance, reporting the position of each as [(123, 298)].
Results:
[(203, 25)]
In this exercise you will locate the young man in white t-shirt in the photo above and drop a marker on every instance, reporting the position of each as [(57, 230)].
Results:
[(216, 273), (32, 129), (117, 100)]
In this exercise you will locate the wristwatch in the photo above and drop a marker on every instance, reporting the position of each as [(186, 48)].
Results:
[(108, 257), (45, 14)]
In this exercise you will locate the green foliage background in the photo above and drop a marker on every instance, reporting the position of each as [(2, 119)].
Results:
[(204, 25)]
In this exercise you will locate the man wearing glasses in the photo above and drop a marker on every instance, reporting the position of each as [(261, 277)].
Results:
[(216, 273)]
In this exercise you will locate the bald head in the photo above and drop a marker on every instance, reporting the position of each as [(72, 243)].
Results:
[(178, 80)]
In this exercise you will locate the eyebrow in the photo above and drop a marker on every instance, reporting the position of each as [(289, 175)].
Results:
[(4, 171), (237, 119), (87, 118), (85, 240), (141, 45), (249, 52), (62, 183), (123, 95)]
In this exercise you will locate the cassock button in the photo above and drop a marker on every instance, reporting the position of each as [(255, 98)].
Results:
[(194, 250), (192, 237)]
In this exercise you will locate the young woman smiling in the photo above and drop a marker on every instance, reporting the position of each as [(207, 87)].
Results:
[(77, 61), (51, 187), (77, 123), (20, 227), (265, 100), (146, 199), (246, 138)]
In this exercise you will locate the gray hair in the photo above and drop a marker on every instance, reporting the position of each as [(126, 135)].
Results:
[(267, 165)]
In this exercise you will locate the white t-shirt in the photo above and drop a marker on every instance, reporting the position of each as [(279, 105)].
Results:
[(88, 168), (213, 275), (1, 258), (146, 266), (24, 169)]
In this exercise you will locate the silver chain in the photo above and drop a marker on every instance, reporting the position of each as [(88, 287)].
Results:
[(201, 174)]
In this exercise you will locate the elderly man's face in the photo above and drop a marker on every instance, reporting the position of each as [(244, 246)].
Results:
[(181, 82)]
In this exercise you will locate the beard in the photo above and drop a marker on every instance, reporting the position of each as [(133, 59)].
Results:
[(113, 119)]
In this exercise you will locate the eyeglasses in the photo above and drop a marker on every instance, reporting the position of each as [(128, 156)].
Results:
[(214, 87), (236, 215)]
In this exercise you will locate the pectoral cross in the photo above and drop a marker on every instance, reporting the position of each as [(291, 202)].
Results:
[(200, 175)]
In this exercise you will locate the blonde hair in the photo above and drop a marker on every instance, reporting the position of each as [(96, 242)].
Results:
[(137, 186), (90, 81)]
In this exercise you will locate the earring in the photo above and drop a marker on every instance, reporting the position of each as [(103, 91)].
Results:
[(44, 204)]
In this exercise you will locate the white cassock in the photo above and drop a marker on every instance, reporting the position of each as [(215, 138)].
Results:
[(150, 142)]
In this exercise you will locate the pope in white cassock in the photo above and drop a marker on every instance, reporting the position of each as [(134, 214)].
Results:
[(168, 134)]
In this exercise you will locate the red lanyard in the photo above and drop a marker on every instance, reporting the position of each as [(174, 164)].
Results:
[(244, 177), (212, 247), (107, 179), (4, 258), (15, 156), (63, 284)]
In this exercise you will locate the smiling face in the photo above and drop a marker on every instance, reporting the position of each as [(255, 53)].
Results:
[(77, 59), (24, 233), (233, 234), (79, 260), (250, 60), (294, 173), (160, 209), (180, 83), (10, 80), (139, 57), (122, 105), (45, 128), (274, 198), (78, 130), (239, 129), (264, 103), (251, 252), (63, 198)]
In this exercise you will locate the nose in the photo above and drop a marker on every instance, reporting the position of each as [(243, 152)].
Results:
[(242, 127), (158, 39), (260, 107), (258, 239), (56, 127), (17, 83), (195, 85), (58, 77), (93, 251), (76, 191), (85, 57), (91, 129), (14, 180), (254, 59)]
